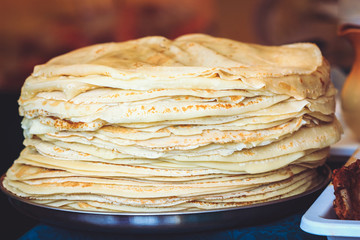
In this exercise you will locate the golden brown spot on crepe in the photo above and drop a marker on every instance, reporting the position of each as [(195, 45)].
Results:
[(100, 50), (74, 184), (56, 149), (66, 124), (284, 147), (98, 110), (36, 112), (138, 64), (133, 93), (248, 152), (152, 110), (235, 98), (285, 86), (21, 171), (84, 154), (54, 103), (187, 108), (207, 90), (83, 205), (130, 112), (115, 95), (320, 138), (279, 127), (167, 110), (155, 90)]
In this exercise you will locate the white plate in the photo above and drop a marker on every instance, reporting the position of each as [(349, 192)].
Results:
[(320, 219)]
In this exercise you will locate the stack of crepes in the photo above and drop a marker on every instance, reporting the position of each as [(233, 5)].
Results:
[(154, 125)]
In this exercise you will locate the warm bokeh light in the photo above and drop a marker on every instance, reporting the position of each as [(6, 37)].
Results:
[(32, 32)]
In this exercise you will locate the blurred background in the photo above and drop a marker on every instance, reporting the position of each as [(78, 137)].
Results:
[(32, 32)]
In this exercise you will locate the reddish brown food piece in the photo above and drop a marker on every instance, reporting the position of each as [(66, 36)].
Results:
[(346, 181)]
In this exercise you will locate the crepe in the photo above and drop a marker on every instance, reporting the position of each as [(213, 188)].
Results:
[(154, 63), (159, 125), (148, 195)]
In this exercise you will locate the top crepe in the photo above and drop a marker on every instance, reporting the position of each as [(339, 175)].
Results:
[(193, 61)]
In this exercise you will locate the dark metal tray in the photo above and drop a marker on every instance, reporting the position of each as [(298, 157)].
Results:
[(144, 223)]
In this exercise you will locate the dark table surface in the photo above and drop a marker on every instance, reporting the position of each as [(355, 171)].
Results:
[(285, 228), (18, 224)]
